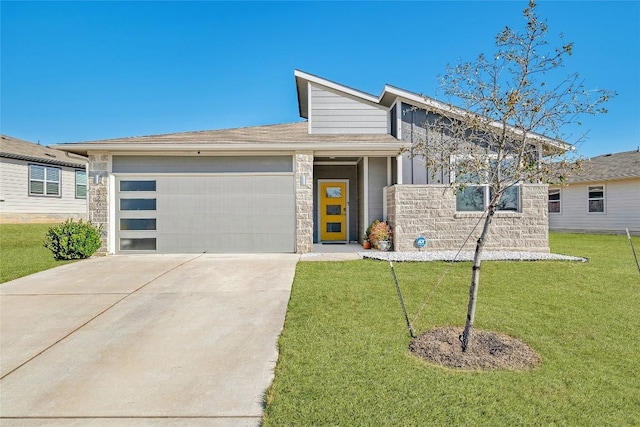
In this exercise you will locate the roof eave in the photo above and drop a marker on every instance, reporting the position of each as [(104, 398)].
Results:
[(83, 149)]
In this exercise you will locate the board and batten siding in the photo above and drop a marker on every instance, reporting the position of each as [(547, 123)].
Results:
[(622, 208), (333, 113), (17, 205)]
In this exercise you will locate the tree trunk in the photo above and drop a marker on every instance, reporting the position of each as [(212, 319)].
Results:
[(475, 279)]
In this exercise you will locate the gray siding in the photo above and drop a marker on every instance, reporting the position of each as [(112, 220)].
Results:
[(201, 164), (337, 172), (17, 206), (622, 208), (377, 182), (414, 170), (333, 113)]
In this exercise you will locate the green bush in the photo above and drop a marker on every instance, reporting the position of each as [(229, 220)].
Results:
[(73, 240)]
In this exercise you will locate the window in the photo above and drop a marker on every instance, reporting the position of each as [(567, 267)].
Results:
[(137, 204), (596, 199), (137, 186), (476, 198), (554, 200), (81, 184), (44, 181)]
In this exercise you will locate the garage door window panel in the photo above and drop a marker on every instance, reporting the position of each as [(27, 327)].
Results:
[(138, 224), (137, 185), (137, 204), (138, 244)]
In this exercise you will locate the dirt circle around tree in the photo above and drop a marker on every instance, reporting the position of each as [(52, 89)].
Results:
[(488, 350)]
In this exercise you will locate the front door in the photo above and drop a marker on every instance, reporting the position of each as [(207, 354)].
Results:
[(333, 210)]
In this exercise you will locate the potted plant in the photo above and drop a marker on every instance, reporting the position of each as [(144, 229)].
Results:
[(380, 235), (366, 242)]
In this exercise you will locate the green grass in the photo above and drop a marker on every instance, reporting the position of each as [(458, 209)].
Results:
[(22, 251), (344, 356)]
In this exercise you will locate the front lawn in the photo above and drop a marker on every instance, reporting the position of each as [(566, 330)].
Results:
[(22, 251), (344, 356)]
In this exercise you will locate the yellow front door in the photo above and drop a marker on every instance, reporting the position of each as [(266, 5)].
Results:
[(333, 211)]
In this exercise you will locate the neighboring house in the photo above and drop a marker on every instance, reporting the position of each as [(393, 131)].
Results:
[(40, 184), (282, 188), (604, 198)]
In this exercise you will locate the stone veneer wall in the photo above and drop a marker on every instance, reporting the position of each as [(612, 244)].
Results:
[(98, 195), (430, 211), (304, 202)]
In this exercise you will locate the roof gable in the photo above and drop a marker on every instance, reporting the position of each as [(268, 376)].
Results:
[(390, 94)]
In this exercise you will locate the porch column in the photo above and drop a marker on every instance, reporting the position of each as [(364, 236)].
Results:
[(98, 195), (304, 201), (399, 168)]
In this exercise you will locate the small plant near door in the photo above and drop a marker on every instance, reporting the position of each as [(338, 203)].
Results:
[(381, 235)]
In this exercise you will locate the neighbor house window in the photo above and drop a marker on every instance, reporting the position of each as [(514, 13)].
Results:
[(554, 200), (81, 184), (44, 181), (596, 199)]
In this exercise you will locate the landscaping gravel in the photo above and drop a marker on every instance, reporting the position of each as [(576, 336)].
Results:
[(468, 256)]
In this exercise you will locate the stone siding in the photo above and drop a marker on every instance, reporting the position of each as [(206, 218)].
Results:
[(98, 195), (304, 202), (430, 211)]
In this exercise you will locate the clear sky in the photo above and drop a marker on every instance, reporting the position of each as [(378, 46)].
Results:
[(78, 71)]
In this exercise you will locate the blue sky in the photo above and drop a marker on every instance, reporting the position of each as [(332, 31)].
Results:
[(77, 71)]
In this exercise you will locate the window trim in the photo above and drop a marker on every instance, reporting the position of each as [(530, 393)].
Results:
[(44, 181), (486, 189), (559, 201), (603, 198), (86, 186)]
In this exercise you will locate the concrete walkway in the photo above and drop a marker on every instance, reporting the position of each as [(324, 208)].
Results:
[(143, 340)]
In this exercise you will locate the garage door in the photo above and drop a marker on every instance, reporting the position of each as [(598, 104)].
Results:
[(233, 211)]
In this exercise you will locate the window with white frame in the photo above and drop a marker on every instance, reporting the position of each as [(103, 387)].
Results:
[(476, 198), (476, 195), (596, 199), (44, 181), (554, 200), (81, 184)]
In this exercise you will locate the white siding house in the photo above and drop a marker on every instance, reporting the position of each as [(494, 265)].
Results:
[(40, 184), (605, 198)]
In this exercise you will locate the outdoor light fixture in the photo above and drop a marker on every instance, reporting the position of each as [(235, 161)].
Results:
[(303, 180), (97, 179)]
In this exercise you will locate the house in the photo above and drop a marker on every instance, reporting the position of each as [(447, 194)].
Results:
[(284, 187), (604, 198), (40, 184)]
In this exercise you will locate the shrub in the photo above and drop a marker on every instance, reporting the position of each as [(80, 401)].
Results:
[(73, 240), (380, 231)]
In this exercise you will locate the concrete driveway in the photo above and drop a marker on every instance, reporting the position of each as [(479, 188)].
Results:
[(143, 340)]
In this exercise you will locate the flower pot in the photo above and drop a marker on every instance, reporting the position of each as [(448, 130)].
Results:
[(366, 244), (384, 245)]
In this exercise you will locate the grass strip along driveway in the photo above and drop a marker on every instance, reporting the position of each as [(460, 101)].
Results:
[(22, 250), (344, 357)]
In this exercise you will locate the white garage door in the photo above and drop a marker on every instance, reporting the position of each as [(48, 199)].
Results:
[(230, 212)]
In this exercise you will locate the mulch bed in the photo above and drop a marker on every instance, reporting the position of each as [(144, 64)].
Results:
[(488, 350)]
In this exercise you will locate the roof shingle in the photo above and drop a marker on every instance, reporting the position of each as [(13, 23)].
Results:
[(14, 148), (608, 167)]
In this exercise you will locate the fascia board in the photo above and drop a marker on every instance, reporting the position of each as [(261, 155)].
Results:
[(244, 148), (335, 86)]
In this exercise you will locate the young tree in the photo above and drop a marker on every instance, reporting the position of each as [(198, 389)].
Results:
[(510, 127)]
